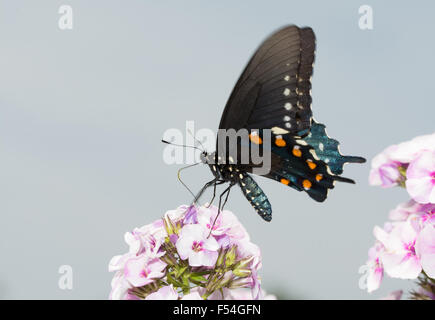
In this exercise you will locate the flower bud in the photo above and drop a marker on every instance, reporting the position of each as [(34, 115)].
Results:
[(244, 263), (169, 260), (220, 258), (230, 257), (169, 225), (242, 272), (241, 283)]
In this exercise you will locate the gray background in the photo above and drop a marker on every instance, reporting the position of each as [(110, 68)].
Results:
[(82, 113)]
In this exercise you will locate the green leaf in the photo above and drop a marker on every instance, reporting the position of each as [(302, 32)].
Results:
[(179, 271), (197, 277)]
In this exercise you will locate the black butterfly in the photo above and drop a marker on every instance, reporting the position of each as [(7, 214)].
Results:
[(273, 93)]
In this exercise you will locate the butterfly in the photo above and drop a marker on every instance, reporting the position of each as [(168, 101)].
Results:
[(272, 101)]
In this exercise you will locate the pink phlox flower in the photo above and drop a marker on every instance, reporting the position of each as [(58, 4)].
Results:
[(247, 249), (404, 210), (407, 151), (143, 270), (399, 257), (117, 263), (146, 239), (226, 223), (420, 182), (177, 214), (395, 295), (426, 215), (425, 247), (384, 171), (257, 294), (193, 295), (120, 287), (164, 293), (195, 245), (191, 215), (375, 268)]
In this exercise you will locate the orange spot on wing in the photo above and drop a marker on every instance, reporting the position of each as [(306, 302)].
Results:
[(319, 176), (255, 139), (285, 181), (280, 142), (311, 164), (306, 184), (297, 151)]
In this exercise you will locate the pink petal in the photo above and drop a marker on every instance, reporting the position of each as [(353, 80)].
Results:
[(164, 293), (184, 246), (425, 248), (401, 266), (420, 189), (374, 279), (395, 295), (421, 166), (203, 258), (192, 296), (210, 244)]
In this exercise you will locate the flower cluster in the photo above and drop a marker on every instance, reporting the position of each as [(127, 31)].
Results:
[(405, 245), (410, 164), (192, 253)]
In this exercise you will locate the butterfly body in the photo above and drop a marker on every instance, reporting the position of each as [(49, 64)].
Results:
[(272, 100)]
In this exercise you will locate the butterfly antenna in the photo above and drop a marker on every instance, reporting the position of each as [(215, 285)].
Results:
[(197, 140), (181, 145)]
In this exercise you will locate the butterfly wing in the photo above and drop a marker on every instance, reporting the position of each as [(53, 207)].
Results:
[(296, 164), (327, 149), (274, 89), (274, 92)]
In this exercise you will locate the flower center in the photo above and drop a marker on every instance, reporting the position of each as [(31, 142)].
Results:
[(214, 227), (432, 175), (411, 248), (197, 246), (145, 272)]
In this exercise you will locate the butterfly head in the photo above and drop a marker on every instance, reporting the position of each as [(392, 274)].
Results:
[(204, 157)]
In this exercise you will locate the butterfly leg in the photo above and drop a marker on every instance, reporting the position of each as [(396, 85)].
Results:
[(199, 194), (217, 182), (220, 208), (226, 198)]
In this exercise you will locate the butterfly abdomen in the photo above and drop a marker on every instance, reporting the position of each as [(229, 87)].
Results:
[(255, 196)]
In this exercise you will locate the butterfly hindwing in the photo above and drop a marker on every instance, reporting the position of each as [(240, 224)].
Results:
[(295, 163), (256, 196), (327, 149)]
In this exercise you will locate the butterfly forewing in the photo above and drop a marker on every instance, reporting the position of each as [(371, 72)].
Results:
[(274, 89)]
